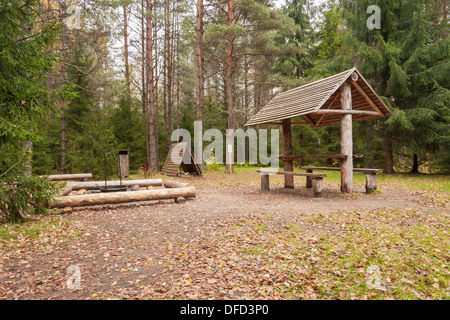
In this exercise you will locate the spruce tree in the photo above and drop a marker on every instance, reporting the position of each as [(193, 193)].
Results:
[(24, 98), (407, 62)]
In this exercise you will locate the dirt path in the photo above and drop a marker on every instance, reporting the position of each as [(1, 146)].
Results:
[(126, 252)]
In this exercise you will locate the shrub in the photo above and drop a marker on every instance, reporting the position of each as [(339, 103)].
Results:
[(24, 196)]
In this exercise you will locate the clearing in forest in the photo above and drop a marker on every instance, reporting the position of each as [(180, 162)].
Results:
[(235, 241)]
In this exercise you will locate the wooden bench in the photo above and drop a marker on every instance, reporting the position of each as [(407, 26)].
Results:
[(371, 176), (315, 178), (337, 157)]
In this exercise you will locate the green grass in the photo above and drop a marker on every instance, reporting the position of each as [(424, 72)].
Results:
[(411, 250), (36, 234), (422, 182)]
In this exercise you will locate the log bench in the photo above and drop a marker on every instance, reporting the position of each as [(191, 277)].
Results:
[(316, 179), (371, 176), (337, 157)]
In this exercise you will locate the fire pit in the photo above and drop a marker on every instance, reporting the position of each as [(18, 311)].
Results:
[(113, 189)]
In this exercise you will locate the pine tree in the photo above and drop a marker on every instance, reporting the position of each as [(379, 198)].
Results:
[(296, 59)]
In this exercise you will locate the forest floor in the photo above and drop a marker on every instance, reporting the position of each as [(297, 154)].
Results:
[(234, 241)]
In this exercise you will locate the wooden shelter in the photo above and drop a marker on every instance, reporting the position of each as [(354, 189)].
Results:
[(183, 158), (340, 99)]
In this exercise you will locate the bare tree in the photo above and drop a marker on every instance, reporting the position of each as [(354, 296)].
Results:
[(154, 164), (125, 41), (144, 86), (200, 51)]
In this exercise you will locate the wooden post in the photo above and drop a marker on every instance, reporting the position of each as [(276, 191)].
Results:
[(309, 180), (317, 187), (287, 151), (346, 140), (265, 181), (371, 182)]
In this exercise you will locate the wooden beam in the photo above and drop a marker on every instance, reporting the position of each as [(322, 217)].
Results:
[(346, 139), (281, 123), (349, 112), (329, 107), (366, 97), (308, 118), (319, 156)]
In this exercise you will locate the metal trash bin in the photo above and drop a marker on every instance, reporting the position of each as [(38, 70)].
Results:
[(124, 160)]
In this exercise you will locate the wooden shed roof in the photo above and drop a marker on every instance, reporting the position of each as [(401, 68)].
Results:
[(307, 100)]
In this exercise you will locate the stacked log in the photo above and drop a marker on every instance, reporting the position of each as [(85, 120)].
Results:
[(175, 184), (123, 197), (62, 177), (89, 185)]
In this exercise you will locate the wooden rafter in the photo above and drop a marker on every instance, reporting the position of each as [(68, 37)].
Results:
[(366, 97), (355, 112), (329, 107)]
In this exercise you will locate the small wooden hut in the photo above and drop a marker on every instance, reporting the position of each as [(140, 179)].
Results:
[(340, 99), (184, 158)]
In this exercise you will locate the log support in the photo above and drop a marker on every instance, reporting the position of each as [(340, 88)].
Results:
[(309, 184), (371, 182), (346, 140), (287, 150), (315, 178), (317, 184), (265, 182)]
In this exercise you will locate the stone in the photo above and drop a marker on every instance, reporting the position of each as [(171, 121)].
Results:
[(134, 188)]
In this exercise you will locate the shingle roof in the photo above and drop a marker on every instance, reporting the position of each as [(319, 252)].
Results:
[(307, 100)]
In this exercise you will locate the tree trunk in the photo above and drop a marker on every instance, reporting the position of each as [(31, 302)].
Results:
[(415, 167), (63, 143), (28, 151), (169, 36), (229, 85), (246, 108), (229, 68), (156, 76), (167, 71), (154, 165), (125, 40), (201, 82), (60, 102), (389, 164), (144, 86)]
